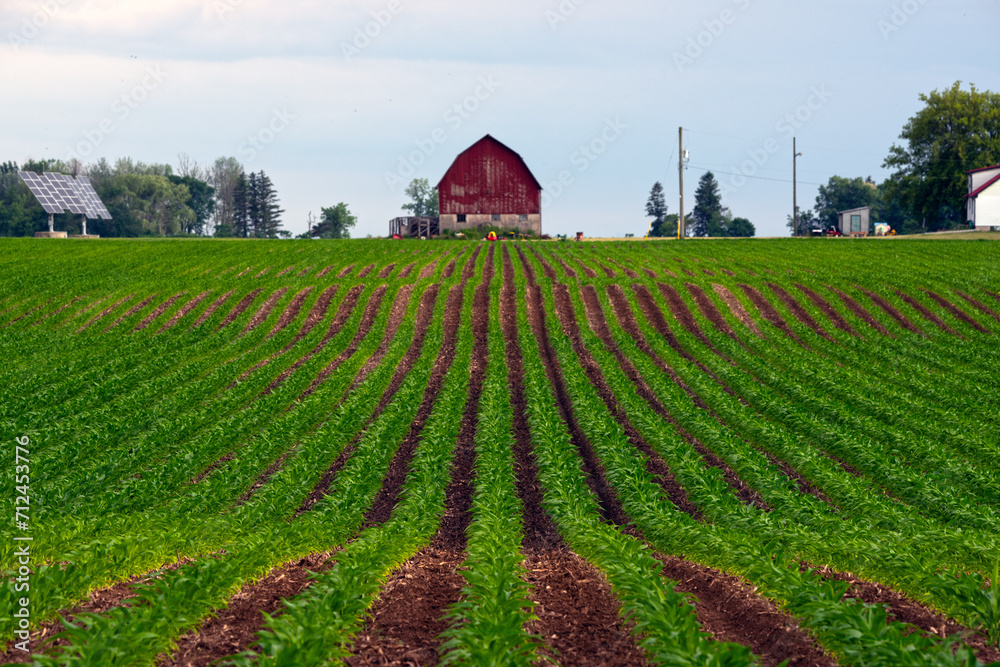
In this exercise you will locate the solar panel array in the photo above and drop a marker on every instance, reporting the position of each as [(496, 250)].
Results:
[(58, 193)]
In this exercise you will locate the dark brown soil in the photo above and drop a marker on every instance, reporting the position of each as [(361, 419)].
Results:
[(578, 615), (539, 531), (587, 271), (384, 273), (449, 270), (101, 315), (82, 311), (452, 317), (365, 271), (238, 310), (828, 310), (902, 608), (458, 496), (607, 271), (214, 307), (731, 610), (364, 327), (405, 623), (291, 312), (655, 465), (185, 309), (429, 270), (979, 305), (891, 312), (162, 308), (772, 316), (39, 307), (343, 313), (570, 273), (345, 271), (98, 602), (958, 313), (303, 272), (860, 312), (728, 273), (627, 271), (264, 311), (263, 273), (234, 629), (688, 273), (547, 269), (396, 315), (407, 270), (737, 309), (469, 270), (285, 271), (709, 310), (800, 313), (611, 509), (927, 314), (681, 312), (231, 268), (650, 273), (993, 294), (707, 272), (243, 273)]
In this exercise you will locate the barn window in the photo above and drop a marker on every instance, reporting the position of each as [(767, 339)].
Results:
[(523, 217), (496, 217), (461, 217)]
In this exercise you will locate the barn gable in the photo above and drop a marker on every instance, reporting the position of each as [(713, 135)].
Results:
[(489, 184)]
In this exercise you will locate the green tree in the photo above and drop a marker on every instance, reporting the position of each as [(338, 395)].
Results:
[(707, 215), (424, 199), (202, 201), (842, 194), (955, 132), (741, 227), (335, 223), (656, 208), (807, 223)]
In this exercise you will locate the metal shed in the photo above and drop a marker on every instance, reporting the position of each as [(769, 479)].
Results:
[(855, 221), (489, 185)]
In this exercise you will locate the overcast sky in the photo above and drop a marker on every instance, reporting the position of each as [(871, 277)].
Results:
[(349, 100)]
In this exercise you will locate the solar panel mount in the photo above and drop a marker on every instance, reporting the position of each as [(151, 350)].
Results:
[(58, 193)]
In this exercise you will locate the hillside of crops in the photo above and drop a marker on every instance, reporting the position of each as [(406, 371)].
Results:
[(381, 452)]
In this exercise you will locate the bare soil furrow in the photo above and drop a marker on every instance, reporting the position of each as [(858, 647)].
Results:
[(429, 270), (303, 272), (233, 629), (238, 310), (49, 314), (407, 270), (737, 309), (104, 313), (858, 311), (264, 311), (655, 464), (449, 270), (901, 608), (828, 310), (957, 312), (364, 327), (649, 272), (162, 308), (587, 271), (469, 270), (452, 318), (365, 271), (979, 305), (291, 312), (769, 313), (263, 272), (800, 313), (396, 315), (29, 312), (131, 311), (185, 309), (384, 273), (732, 610), (682, 313), (288, 270), (570, 273), (343, 313), (83, 311), (709, 310), (213, 308), (927, 314), (547, 269), (611, 509), (343, 272), (900, 319)]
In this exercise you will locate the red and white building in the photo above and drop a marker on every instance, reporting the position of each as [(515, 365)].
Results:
[(489, 185), (984, 197)]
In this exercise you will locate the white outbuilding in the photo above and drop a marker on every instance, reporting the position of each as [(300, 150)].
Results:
[(984, 197)]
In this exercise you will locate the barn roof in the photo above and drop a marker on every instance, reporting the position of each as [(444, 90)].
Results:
[(973, 171), (490, 138)]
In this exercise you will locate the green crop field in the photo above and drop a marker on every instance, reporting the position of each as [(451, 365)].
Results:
[(401, 452)]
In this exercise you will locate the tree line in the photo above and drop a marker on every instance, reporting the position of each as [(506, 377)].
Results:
[(708, 218), (222, 200)]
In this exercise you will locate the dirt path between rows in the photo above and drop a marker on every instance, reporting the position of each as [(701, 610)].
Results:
[(957, 312), (218, 303), (770, 314), (828, 310), (238, 310), (101, 315), (162, 308), (710, 312), (900, 319), (264, 311), (291, 312), (979, 305), (185, 309), (737, 309), (858, 311), (927, 314), (800, 313)]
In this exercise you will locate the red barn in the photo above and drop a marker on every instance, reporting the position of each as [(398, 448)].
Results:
[(489, 185)]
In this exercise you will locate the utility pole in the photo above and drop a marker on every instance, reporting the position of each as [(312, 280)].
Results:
[(795, 203), (680, 171)]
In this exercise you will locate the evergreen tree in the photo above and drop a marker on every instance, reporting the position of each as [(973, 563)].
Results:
[(656, 208), (267, 208), (239, 220), (708, 213)]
